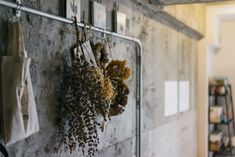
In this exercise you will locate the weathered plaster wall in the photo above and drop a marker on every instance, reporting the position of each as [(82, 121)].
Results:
[(183, 17), (168, 55), (193, 15)]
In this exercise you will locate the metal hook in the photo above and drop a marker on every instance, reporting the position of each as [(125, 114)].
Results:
[(109, 42), (116, 6), (104, 35), (19, 8), (86, 30)]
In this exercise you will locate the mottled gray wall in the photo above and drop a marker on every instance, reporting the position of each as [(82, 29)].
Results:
[(168, 55)]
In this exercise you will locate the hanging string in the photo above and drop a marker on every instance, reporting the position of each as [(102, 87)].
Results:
[(109, 42), (78, 37), (86, 31)]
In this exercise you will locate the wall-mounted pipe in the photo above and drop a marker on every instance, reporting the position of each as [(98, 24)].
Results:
[(20, 7)]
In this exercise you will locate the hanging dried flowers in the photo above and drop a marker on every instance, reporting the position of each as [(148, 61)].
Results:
[(101, 55), (90, 92), (80, 125), (118, 69), (118, 73)]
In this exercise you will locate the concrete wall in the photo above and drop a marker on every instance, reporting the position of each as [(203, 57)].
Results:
[(195, 15), (168, 55)]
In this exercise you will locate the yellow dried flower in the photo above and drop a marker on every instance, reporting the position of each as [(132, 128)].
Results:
[(117, 68), (107, 89)]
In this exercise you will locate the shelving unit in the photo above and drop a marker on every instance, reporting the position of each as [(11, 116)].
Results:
[(224, 125)]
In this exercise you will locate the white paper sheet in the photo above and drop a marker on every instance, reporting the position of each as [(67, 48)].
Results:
[(73, 8), (171, 98), (120, 22), (184, 95), (99, 15)]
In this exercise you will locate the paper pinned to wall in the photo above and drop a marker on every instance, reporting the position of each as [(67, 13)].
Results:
[(99, 15), (184, 95), (171, 98), (73, 8), (120, 22)]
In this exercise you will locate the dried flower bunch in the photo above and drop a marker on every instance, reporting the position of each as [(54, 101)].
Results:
[(78, 112), (118, 73), (90, 92), (118, 69)]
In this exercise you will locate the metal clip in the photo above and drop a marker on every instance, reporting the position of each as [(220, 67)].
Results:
[(103, 35), (19, 8), (116, 6)]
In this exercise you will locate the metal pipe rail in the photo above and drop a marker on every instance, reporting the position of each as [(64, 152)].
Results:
[(20, 7)]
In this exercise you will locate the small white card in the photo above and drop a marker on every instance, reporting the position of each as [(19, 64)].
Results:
[(184, 95), (171, 98)]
